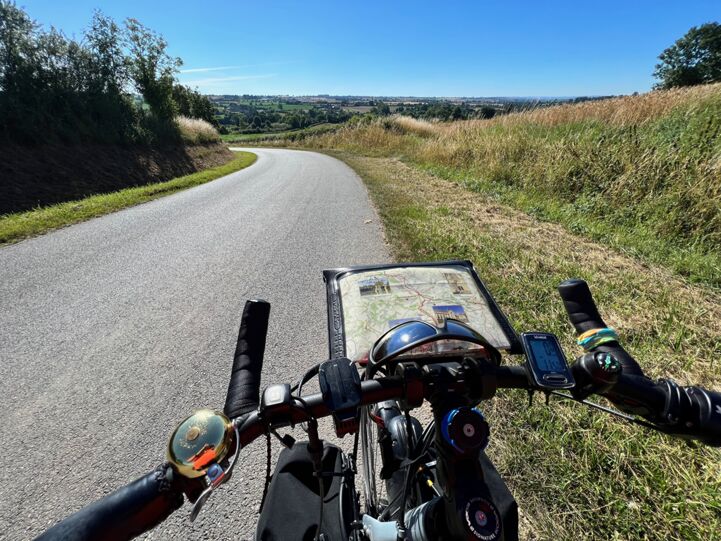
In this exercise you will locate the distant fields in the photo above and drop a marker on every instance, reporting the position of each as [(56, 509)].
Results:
[(275, 105), (259, 116)]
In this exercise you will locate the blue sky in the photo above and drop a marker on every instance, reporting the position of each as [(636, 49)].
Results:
[(452, 48)]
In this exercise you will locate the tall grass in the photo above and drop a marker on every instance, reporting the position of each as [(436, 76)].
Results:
[(622, 111), (195, 131), (411, 125), (642, 173)]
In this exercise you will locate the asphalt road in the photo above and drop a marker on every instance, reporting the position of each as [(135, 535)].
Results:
[(113, 330)]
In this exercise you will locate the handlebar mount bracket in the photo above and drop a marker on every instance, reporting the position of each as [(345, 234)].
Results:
[(340, 387)]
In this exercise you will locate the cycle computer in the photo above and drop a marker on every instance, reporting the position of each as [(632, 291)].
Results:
[(546, 362)]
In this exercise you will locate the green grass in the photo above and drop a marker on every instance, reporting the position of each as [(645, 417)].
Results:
[(632, 234), (651, 190), (15, 227), (576, 473), (288, 135)]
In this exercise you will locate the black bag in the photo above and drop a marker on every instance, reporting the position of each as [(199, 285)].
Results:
[(292, 506)]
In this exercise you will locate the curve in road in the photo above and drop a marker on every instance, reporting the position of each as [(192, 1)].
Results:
[(113, 330)]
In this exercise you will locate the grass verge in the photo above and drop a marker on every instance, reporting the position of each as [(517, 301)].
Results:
[(21, 225), (289, 135), (576, 473)]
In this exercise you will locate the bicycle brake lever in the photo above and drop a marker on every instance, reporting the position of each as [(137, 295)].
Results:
[(215, 477)]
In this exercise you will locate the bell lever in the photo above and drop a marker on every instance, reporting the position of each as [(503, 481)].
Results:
[(215, 477)]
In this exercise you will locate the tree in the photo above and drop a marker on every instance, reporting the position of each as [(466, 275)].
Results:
[(694, 59), (54, 88), (153, 70), (108, 77), (381, 109), (487, 112), (19, 73), (191, 103)]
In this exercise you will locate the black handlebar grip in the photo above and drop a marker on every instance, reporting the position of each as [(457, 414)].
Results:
[(244, 386), (584, 316), (123, 514), (707, 414), (579, 304)]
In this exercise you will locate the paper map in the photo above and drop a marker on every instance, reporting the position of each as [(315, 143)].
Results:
[(374, 301)]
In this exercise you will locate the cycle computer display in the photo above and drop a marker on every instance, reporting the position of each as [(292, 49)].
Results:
[(546, 362)]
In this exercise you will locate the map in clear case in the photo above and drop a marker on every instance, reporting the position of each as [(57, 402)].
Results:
[(365, 302)]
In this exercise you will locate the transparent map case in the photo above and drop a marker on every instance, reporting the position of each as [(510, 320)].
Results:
[(364, 302)]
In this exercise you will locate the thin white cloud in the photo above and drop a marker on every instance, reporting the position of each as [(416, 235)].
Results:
[(219, 68), (213, 80), (224, 68)]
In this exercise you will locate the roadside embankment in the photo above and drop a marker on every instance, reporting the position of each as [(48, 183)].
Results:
[(36, 176), (575, 472), (20, 225)]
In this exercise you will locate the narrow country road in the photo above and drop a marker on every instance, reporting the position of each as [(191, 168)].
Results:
[(113, 330)]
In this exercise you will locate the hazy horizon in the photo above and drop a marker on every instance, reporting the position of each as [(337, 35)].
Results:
[(410, 97)]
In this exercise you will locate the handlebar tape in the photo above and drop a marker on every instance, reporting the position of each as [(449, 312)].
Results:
[(579, 304), (682, 411), (123, 514), (582, 312), (244, 386), (706, 406)]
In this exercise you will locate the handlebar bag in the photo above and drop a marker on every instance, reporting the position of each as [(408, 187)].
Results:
[(292, 505)]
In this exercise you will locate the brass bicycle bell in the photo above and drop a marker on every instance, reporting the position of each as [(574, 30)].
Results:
[(201, 440)]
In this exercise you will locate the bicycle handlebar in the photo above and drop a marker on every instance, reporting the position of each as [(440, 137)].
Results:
[(124, 514), (244, 385), (137, 508), (142, 505), (690, 412), (584, 316)]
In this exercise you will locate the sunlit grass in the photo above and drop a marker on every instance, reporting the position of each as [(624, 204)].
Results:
[(195, 131), (576, 473)]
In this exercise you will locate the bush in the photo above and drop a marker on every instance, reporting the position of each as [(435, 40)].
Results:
[(196, 131)]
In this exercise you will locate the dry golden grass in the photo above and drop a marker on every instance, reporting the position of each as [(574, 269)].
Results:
[(369, 138), (196, 131), (424, 128), (623, 111)]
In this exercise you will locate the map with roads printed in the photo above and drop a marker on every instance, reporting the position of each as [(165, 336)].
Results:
[(375, 301)]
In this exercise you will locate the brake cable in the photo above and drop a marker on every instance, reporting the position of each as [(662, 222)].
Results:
[(310, 373), (267, 471), (612, 411)]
